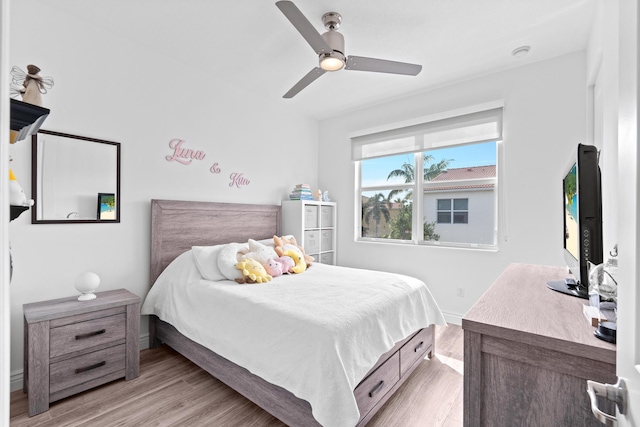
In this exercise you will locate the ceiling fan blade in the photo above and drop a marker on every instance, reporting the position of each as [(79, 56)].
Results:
[(361, 63), (304, 82), (304, 27)]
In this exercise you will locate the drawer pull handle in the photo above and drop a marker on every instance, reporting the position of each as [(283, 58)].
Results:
[(90, 367), (376, 389), (419, 347), (91, 334)]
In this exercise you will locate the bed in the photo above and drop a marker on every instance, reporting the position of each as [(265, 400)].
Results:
[(177, 226)]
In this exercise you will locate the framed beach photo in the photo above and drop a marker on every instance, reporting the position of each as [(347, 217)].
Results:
[(107, 207)]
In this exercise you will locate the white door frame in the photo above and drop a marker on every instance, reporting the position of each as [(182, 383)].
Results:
[(5, 307), (628, 342)]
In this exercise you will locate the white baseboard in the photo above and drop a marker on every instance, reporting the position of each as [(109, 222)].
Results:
[(453, 318), (144, 341), (17, 376), (16, 380)]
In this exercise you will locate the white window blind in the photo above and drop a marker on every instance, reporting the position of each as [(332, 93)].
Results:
[(479, 126)]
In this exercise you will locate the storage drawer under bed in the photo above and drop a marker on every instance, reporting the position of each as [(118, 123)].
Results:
[(415, 349), (377, 384)]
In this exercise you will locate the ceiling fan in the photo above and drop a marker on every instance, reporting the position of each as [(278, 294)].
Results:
[(330, 49)]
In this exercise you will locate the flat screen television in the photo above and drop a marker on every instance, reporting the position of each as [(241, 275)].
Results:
[(582, 219)]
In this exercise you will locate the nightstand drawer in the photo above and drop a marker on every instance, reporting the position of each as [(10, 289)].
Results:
[(83, 335), (377, 384), (414, 350), (82, 369)]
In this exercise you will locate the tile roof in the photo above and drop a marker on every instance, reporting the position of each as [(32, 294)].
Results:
[(463, 174), (456, 187)]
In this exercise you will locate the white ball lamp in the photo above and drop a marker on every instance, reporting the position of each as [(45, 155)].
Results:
[(86, 284)]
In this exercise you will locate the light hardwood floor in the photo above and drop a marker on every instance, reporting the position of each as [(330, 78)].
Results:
[(172, 391)]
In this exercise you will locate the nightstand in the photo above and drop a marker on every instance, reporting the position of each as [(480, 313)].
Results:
[(71, 346)]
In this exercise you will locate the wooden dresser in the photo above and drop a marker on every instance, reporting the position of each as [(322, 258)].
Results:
[(71, 346), (528, 352)]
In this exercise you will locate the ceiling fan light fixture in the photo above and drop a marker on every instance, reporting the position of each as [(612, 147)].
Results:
[(333, 61)]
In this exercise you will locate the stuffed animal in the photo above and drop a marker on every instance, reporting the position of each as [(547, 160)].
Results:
[(287, 263), (301, 265), (16, 193), (273, 268), (252, 271), (281, 246), (259, 252)]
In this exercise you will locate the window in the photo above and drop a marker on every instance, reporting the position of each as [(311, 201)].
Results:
[(453, 211), (457, 158)]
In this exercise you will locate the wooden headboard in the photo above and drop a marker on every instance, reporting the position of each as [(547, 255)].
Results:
[(177, 225)]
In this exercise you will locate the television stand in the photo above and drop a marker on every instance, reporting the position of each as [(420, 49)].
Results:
[(528, 353), (562, 286)]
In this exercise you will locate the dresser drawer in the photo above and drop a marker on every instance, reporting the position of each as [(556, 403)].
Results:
[(88, 367), (377, 384), (83, 335), (414, 349)]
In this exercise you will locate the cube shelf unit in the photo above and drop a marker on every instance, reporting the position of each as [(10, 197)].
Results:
[(313, 224)]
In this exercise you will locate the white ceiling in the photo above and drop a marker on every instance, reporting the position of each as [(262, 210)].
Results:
[(251, 44)]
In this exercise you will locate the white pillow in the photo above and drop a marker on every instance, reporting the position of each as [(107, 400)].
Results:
[(267, 242), (181, 270), (228, 256), (206, 258), (260, 252)]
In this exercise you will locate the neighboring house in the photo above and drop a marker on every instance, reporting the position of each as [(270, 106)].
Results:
[(462, 202)]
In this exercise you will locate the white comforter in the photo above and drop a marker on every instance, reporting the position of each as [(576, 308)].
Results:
[(316, 334)]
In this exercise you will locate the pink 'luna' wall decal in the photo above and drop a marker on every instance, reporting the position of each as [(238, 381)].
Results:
[(183, 155), (186, 155)]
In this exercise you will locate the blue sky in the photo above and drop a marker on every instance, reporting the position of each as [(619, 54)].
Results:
[(375, 171)]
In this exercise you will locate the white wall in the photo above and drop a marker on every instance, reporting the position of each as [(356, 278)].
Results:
[(480, 227), (544, 120), (110, 88)]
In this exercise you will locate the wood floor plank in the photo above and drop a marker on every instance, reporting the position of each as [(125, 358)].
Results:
[(172, 391)]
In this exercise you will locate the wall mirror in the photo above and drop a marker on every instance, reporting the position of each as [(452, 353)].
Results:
[(74, 179)]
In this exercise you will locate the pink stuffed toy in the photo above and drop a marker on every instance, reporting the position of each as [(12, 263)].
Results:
[(287, 263), (273, 267)]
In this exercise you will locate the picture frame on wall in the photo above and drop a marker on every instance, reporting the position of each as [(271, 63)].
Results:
[(107, 207)]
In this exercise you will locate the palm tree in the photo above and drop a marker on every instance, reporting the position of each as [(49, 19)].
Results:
[(400, 227), (376, 207), (406, 171)]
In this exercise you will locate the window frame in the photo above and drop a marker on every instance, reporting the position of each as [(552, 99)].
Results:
[(452, 211), (392, 139), (500, 228)]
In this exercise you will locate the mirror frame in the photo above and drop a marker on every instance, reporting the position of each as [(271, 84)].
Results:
[(34, 180)]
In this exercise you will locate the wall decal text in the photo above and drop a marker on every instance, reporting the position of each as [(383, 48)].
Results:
[(183, 155), (238, 180)]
